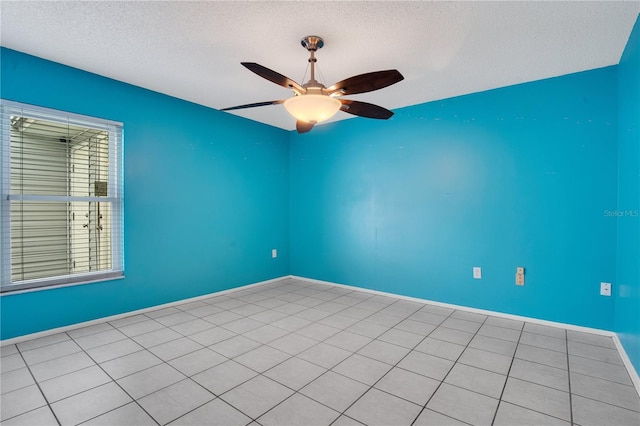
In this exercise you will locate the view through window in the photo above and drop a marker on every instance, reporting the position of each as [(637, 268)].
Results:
[(62, 197)]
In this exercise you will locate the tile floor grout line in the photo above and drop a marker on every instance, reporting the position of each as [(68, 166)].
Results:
[(282, 402), (350, 418), (37, 383), (396, 365), (316, 344), (319, 321), (164, 362), (324, 340), (535, 410), (343, 413), (208, 402), (569, 391), (189, 336), (135, 400), (268, 378), (577, 355), (597, 360), (604, 379), (424, 407), (597, 345), (45, 345), (363, 319), (355, 305), (569, 378), (608, 403), (195, 408), (356, 352), (542, 385), (306, 396), (513, 358), (258, 373)]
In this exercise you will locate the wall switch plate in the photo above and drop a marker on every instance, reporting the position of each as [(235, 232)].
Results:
[(477, 272), (520, 270), (605, 289), (519, 279), (274, 253)]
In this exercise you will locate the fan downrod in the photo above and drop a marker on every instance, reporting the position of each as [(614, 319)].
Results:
[(312, 43)]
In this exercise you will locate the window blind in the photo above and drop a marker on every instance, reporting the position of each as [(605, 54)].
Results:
[(61, 198)]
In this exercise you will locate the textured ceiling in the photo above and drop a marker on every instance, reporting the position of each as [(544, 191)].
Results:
[(193, 49)]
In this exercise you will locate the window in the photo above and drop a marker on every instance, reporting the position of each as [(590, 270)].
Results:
[(61, 198)]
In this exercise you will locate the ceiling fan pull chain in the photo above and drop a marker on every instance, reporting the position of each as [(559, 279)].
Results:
[(305, 72)]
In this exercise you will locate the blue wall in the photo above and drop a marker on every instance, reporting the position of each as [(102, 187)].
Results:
[(627, 315), (206, 197), (518, 176)]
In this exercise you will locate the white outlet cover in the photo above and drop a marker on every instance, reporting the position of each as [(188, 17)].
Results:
[(605, 289), (477, 272), (274, 253)]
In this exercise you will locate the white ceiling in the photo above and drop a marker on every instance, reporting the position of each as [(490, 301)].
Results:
[(193, 49)]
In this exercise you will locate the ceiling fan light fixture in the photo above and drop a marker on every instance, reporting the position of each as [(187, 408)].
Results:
[(314, 102), (312, 108)]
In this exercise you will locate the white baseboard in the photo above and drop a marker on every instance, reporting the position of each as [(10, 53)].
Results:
[(627, 363), (63, 329), (465, 308), (633, 374)]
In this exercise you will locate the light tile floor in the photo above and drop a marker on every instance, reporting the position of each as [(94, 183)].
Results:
[(299, 353)]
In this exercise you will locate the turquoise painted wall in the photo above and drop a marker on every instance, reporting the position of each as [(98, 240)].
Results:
[(206, 197), (627, 284), (518, 176)]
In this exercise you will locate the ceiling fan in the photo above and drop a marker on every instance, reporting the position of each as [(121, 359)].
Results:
[(313, 103)]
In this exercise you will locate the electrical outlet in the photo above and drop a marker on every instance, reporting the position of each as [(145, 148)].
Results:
[(605, 289), (477, 272), (274, 253)]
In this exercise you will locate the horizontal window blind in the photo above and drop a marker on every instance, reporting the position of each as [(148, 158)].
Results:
[(61, 198)]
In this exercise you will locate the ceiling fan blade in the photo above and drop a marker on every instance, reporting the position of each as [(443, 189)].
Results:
[(365, 82), (303, 126), (364, 109), (257, 104), (273, 76)]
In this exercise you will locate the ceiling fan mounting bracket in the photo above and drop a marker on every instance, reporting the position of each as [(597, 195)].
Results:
[(312, 43)]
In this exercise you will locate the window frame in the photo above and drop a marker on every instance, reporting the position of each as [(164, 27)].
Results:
[(115, 196)]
